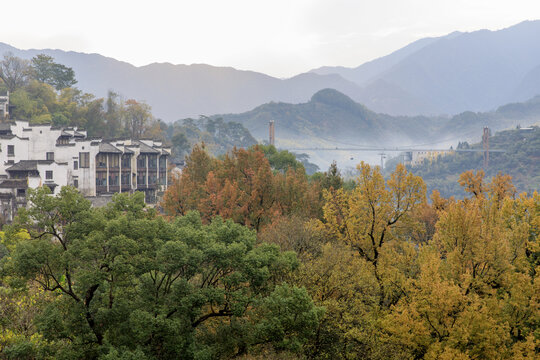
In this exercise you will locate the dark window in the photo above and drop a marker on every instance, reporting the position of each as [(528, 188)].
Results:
[(114, 160), (101, 160), (101, 179), (126, 162), (75, 165), (162, 177), (141, 161), (11, 162), (48, 175), (141, 178), (84, 159), (50, 156), (113, 179), (125, 179), (11, 150), (63, 140), (76, 183), (21, 192), (152, 162), (163, 162)]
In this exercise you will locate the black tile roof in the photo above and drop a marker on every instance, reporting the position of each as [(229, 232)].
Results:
[(14, 183), (145, 149), (28, 165), (105, 147)]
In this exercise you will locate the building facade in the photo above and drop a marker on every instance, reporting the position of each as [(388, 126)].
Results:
[(43, 155)]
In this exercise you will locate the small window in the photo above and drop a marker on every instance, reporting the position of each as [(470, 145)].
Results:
[(21, 192), (11, 162), (11, 150), (84, 159), (50, 156), (76, 183), (48, 175), (76, 165)]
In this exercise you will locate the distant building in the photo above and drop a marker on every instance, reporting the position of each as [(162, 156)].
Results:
[(44, 155), (415, 158), (4, 106)]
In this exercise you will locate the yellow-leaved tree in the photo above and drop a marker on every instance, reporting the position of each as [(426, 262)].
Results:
[(374, 220), (477, 293)]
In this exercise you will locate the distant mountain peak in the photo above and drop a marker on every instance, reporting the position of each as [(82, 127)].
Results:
[(332, 97)]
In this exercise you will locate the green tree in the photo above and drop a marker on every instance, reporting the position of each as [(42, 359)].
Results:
[(124, 281), (47, 71), (280, 160), (180, 143), (113, 114)]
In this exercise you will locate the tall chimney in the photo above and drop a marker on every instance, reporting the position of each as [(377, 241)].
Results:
[(272, 134)]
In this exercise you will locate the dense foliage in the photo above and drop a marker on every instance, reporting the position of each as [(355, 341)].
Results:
[(122, 282), (242, 186), (379, 273), (219, 136)]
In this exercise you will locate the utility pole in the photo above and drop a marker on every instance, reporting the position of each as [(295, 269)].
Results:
[(485, 146), (272, 135), (383, 155)]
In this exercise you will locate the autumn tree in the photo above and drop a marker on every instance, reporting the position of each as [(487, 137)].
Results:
[(136, 116), (14, 71), (240, 186), (476, 295), (372, 217)]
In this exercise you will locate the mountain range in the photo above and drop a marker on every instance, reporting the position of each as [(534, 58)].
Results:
[(475, 71), (331, 117)]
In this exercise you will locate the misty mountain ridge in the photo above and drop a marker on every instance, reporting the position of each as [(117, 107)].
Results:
[(475, 71), (180, 91), (331, 118)]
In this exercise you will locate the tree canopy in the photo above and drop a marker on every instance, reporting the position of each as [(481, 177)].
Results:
[(121, 281)]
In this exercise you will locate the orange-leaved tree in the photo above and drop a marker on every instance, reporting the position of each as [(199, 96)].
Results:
[(240, 186)]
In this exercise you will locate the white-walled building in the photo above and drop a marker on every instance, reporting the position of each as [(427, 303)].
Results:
[(38, 155)]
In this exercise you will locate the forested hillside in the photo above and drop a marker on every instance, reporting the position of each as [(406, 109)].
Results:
[(331, 118), (254, 260), (521, 161)]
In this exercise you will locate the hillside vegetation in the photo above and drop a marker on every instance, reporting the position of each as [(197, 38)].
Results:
[(521, 161), (251, 262), (331, 118)]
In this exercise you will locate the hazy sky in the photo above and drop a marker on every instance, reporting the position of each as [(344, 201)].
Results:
[(278, 37)]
